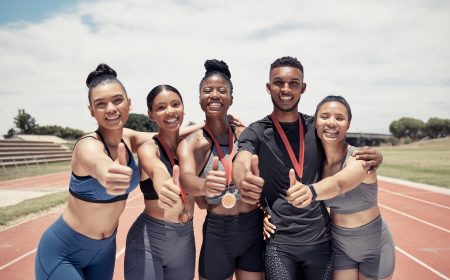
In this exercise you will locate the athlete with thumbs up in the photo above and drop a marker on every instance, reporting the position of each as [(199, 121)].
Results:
[(81, 243), (285, 140), (160, 243), (232, 240)]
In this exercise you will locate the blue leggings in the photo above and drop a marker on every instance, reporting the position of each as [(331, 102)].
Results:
[(66, 254), (158, 250)]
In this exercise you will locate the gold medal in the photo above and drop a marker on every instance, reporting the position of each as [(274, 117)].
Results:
[(184, 217), (228, 200)]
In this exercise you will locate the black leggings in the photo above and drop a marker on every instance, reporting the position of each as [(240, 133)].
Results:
[(289, 262)]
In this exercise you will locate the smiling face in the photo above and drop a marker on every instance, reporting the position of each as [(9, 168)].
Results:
[(286, 87), (167, 111), (215, 96), (332, 122), (109, 105)]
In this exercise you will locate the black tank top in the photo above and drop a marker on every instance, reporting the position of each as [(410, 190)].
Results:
[(146, 186)]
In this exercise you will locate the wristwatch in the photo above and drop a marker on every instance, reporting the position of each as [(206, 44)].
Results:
[(313, 191)]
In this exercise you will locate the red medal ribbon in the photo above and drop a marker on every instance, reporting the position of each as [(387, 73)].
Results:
[(301, 153), (172, 162), (225, 163)]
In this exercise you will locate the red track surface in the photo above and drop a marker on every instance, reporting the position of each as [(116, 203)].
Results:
[(418, 220)]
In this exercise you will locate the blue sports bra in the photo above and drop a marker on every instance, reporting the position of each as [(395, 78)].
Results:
[(89, 189)]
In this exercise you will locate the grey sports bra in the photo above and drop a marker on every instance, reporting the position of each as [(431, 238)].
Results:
[(208, 167), (361, 198)]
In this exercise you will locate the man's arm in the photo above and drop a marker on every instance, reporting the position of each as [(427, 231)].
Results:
[(372, 157), (246, 177)]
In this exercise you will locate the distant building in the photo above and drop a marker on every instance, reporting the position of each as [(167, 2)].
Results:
[(359, 139)]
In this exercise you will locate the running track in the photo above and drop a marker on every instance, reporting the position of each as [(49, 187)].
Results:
[(418, 220)]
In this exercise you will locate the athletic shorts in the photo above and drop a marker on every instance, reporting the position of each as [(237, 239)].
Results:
[(298, 262), (159, 250), (64, 253), (370, 248), (230, 243)]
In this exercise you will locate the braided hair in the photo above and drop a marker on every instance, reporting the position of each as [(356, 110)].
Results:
[(101, 75), (217, 67)]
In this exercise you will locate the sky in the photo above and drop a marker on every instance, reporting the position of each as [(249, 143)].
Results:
[(389, 59)]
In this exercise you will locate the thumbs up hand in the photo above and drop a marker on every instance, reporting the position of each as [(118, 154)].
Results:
[(215, 180), (298, 194), (169, 195), (118, 174), (250, 185)]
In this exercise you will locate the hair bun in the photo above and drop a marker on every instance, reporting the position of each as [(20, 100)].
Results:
[(214, 65), (101, 70)]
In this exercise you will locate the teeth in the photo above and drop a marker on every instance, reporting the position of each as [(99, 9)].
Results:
[(171, 120), (215, 104), (112, 117), (285, 97)]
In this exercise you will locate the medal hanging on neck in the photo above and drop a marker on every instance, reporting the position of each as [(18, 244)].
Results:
[(301, 153), (184, 216), (228, 199)]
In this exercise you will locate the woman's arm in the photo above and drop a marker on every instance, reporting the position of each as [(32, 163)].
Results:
[(193, 184), (89, 159), (343, 181), (166, 186)]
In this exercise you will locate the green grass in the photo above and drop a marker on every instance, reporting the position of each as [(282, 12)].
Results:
[(30, 206), (423, 162), (10, 173)]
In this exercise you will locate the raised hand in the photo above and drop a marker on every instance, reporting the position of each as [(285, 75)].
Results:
[(215, 180), (169, 195), (298, 194), (250, 185), (118, 176)]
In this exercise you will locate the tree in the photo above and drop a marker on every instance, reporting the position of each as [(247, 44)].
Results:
[(407, 127), (63, 132), (436, 127), (141, 122), (25, 122)]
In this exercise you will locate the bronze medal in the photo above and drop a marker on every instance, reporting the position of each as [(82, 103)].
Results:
[(228, 200), (184, 217)]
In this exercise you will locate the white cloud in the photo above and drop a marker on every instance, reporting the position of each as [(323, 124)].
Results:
[(389, 59)]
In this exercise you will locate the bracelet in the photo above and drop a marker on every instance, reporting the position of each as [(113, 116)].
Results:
[(313, 191)]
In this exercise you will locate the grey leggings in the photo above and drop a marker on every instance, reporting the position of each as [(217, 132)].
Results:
[(369, 248), (159, 250)]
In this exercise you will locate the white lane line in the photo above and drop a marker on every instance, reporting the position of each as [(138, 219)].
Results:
[(17, 259), (422, 263), (34, 250), (415, 185), (120, 253), (413, 198), (414, 218)]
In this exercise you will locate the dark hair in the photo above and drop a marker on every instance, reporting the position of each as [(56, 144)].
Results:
[(335, 98), (219, 67), (157, 90), (286, 61), (102, 74)]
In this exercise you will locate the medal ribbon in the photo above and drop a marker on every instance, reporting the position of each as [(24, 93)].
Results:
[(301, 153), (172, 162), (226, 164)]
